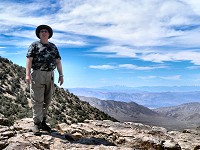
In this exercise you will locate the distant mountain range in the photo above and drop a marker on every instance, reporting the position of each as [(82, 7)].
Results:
[(126, 89), (177, 117), (150, 97)]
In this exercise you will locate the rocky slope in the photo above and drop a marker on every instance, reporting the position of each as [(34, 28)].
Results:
[(186, 112), (97, 135), (122, 111)]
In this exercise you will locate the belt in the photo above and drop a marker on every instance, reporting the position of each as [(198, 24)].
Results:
[(48, 70)]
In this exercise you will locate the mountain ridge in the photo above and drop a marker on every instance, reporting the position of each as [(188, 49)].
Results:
[(190, 110), (133, 112)]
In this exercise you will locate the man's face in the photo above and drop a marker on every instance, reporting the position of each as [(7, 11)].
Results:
[(44, 34)]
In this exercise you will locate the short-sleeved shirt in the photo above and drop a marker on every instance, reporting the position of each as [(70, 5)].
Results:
[(44, 56)]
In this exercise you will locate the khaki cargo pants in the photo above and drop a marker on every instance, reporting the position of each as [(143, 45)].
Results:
[(42, 89)]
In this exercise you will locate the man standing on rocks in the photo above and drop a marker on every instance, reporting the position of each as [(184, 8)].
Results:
[(42, 58)]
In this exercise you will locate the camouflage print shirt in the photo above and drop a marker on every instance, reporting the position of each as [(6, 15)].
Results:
[(44, 55)]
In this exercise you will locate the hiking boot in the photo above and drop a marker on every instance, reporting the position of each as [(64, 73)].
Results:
[(44, 126), (36, 129)]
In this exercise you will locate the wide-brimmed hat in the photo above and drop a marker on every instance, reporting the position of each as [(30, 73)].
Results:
[(40, 27)]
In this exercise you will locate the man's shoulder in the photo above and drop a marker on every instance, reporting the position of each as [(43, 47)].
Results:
[(52, 44), (35, 43)]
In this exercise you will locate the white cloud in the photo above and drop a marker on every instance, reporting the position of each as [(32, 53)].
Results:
[(175, 77), (62, 39), (193, 67), (103, 67), (134, 67), (194, 4), (147, 77), (125, 24), (69, 42), (150, 54), (142, 23), (15, 14), (192, 56), (126, 66), (116, 51)]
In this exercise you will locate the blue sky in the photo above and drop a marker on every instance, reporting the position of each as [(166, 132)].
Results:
[(110, 42)]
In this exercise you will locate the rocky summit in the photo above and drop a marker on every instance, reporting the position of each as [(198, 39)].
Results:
[(97, 135)]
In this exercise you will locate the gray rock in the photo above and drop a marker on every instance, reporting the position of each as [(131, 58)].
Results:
[(97, 135), (4, 121)]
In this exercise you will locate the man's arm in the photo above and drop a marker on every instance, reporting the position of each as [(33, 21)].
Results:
[(28, 69), (59, 68)]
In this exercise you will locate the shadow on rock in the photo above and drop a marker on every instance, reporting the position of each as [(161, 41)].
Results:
[(95, 141)]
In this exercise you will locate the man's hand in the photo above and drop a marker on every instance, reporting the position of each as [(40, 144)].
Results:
[(28, 79), (28, 70), (61, 80), (59, 68)]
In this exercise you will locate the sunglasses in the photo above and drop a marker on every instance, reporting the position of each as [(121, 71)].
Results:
[(43, 31)]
